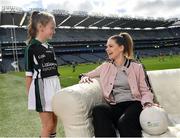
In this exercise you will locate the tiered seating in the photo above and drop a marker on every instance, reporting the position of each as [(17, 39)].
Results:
[(72, 58), (101, 55), (90, 57), (7, 64), (60, 61)]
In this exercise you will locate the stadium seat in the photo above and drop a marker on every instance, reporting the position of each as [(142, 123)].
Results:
[(73, 104)]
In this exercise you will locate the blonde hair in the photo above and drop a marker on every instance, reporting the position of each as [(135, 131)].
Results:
[(36, 18), (126, 40)]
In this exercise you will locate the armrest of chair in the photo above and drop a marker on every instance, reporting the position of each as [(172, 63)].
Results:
[(73, 106)]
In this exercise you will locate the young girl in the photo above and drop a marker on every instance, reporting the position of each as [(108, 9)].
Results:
[(42, 80)]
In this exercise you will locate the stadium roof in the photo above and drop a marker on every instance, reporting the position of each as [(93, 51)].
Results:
[(78, 19)]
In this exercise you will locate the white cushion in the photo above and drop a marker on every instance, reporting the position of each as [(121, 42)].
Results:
[(166, 84)]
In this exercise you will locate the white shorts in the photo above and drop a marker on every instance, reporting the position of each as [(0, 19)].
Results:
[(41, 93)]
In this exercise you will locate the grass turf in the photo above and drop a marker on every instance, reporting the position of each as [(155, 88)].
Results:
[(17, 121)]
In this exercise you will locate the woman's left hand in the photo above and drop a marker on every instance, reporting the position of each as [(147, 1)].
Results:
[(148, 104)]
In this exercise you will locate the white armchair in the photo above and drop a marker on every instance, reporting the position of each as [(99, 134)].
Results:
[(73, 104)]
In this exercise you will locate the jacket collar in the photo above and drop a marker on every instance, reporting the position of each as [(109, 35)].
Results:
[(125, 67), (126, 63)]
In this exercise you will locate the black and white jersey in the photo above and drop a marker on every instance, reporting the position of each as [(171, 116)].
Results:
[(40, 60)]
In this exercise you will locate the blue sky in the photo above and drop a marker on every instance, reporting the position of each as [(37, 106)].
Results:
[(132, 8)]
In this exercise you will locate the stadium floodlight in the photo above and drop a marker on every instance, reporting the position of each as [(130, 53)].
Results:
[(11, 9), (82, 13), (60, 12), (139, 17), (160, 19), (97, 14), (150, 18), (113, 16), (173, 19), (126, 17), (37, 9)]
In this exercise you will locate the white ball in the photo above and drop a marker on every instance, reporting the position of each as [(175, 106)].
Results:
[(154, 120)]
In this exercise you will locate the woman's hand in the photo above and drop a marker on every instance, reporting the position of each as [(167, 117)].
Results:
[(148, 104), (85, 79)]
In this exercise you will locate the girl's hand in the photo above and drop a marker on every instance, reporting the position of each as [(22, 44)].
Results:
[(85, 79)]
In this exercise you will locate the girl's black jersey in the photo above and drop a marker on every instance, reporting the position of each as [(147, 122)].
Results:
[(40, 60)]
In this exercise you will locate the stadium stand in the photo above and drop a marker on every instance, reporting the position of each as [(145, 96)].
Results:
[(73, 58), (82, 38)]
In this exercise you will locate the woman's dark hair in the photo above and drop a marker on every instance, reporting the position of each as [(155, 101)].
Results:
[(126, 40), (36, 18)]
